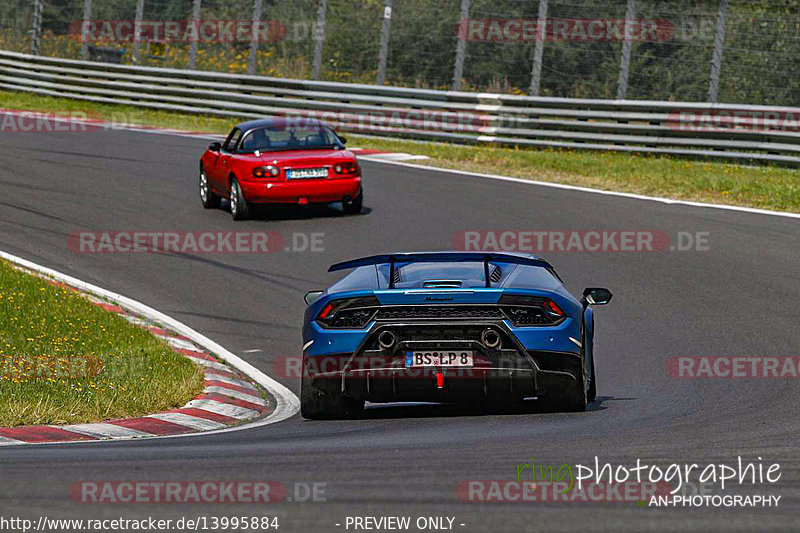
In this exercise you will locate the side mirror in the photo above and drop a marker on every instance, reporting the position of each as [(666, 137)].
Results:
[(312, 296), (343, 140), (215, 146), (596, 296)]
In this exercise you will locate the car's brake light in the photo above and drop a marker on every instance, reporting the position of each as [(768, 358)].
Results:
[(326, 311), (349, 313), (346, 168), (268, 171), (553, 309), (531, 310)]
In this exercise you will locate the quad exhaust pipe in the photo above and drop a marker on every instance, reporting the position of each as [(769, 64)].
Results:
[(490, 338), (386, 339)]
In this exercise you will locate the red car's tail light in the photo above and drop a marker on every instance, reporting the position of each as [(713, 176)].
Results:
[(268, 171), (349, 313), (347, 168), (531, 310)]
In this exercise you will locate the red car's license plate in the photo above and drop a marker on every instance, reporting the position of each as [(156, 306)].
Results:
[(439, 358), (306, 173)]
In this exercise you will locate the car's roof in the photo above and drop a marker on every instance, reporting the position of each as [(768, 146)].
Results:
[(271, 122)]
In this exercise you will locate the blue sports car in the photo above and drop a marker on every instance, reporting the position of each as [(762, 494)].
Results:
[(447, 327)]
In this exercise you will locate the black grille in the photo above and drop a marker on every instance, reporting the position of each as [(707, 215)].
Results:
[(411, 312)]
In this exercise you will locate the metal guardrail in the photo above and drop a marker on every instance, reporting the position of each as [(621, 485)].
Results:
[(459, 117)]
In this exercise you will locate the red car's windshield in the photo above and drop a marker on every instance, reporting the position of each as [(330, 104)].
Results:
[(273, 138)]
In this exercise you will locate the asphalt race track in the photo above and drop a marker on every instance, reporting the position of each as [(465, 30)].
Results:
[(737, 298)]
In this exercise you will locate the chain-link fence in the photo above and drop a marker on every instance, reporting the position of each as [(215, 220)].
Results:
[(684, 50)]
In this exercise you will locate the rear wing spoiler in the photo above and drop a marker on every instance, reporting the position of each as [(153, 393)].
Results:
[(442, 257)]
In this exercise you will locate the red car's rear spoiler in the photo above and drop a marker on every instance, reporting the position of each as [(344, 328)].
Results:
[(442, 257)]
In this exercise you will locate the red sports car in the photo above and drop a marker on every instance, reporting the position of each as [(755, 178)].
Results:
[(277, 160)]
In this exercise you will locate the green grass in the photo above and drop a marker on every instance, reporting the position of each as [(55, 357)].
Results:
[(766, 187), (42, 324)]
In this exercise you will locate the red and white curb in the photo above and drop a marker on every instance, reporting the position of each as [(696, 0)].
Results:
[(231, 399)]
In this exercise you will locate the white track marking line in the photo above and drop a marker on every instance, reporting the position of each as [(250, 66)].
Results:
[(751, 210), (287, 403), (225, 409), (8, 441), (396, 156), (194, 422), (104, 431), (236, 394)]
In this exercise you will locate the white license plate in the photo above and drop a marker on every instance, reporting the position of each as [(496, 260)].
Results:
[(439, 358), (306, 173)]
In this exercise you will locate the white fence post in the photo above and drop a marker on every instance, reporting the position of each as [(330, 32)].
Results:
[(196, 22), (251, 62), (36, 33), (461, 46), (716, 59), (319, 39), (137, 30), (87, 16), (387, 22), (622, 83), (541, 35)]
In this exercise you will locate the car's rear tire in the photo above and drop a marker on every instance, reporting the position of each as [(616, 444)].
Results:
[(239, 208), (321, 404), (207, 197), (354, 206)]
